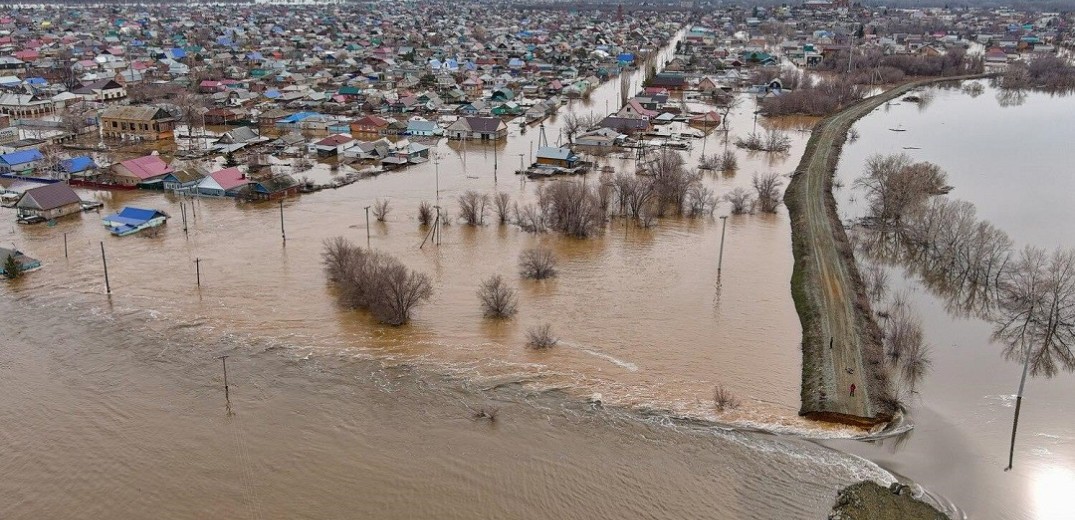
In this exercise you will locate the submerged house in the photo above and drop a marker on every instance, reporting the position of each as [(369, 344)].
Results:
[(132, 220), (184, 179), (24, 262), (223, 183), (148, 170), (480, 128), (275, 187), (556, 156), (22, 161), (49, 201)]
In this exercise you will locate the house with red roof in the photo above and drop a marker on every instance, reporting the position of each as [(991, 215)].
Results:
[(147, 170), (372, 125), (334, 144), (223, 183)]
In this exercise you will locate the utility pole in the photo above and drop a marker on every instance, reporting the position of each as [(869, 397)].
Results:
[(720, 258), (367, 227), (183, 209), (198, 270), (224, 360), (1018, 404), (104, 261), (494, 159), (521, 169), (65, 245), (282, 232)]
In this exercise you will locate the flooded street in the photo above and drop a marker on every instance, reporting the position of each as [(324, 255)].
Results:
[(1011, 162)]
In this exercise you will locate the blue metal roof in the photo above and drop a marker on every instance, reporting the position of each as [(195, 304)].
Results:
[(77, 164), (21, 156), (133, 216)]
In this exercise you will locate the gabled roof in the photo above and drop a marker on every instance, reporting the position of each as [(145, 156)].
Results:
[(49, 196), (133, 216), (484, 124), (147, 167), (229, 178), (335, 140), (140, 113), (77, 164), (21, 157)]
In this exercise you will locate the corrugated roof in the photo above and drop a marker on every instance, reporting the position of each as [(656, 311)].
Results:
[(147, 167), (51, 196)]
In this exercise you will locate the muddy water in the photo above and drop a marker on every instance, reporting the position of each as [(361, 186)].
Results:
[(119, 396), (1011, 162)]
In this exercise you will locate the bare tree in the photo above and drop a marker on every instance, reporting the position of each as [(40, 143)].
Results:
[(381, 209), (537, 264), (498, 299), (374, 281), (894, 186), (502, 204), (425, 213), (741, 200), (700, 201), (772, 141), (541, 337), (768, 191), (472, 207), (575, 124), (724, 399), (1036, 318), (530, 219), (571, 208)]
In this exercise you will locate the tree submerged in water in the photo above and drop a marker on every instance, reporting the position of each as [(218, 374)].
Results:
[(374, 281), (12, 269)]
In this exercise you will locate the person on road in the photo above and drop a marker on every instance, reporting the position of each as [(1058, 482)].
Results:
[(852, 389)]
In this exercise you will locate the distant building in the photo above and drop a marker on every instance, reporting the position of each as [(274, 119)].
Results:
[(223, 183), (146, 122), (21, 161), (478, 128)]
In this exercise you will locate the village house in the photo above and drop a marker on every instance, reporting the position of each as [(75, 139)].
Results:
[(478, 128), (49, 201), (26, 105), (370, 125), (101, 91), (146, 170), (184, 179), (556, 156), (423, 128), (223, 183), (24, 263), (275, 187), (23, 161), (334, 145), (146, 122)]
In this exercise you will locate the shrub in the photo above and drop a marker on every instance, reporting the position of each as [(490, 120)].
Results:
[(425, 213), (537, 264), (381, 209), (724, 399), (498, 299), (541, 337)]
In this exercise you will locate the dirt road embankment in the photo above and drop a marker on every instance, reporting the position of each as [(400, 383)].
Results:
[(841, 340)]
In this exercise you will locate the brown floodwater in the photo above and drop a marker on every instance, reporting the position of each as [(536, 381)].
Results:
[(112, 406), (1010, 156)]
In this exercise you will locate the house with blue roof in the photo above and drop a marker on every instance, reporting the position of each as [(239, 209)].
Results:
[(22, 161), (81, 166), (132, 220)]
